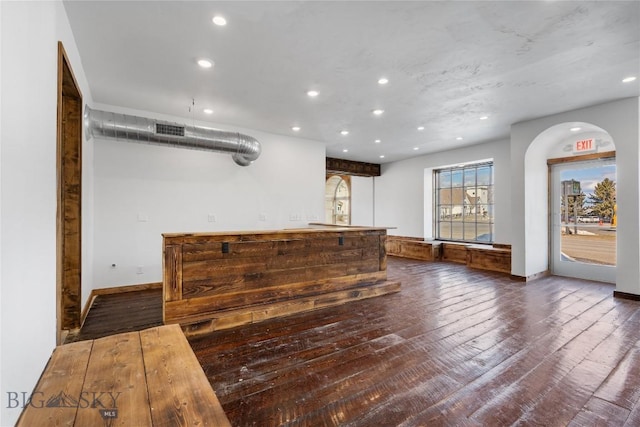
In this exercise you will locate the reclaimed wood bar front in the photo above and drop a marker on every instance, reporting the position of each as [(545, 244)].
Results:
[(215, 281)]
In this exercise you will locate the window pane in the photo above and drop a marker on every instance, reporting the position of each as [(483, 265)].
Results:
[(483, 213), (457, 197), (456, 230), (444, 230), (469, 212), (444, 179), (469, 177), (444, 197), (469, 231), (456, 211), (445, 213), (489, 190), (484, 175), (485, 232), (456, 178), (471, 194)]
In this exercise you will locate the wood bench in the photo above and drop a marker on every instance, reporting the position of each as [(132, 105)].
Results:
[(414, 248), (455, 252), (146, 378), (496, 257), (492, 258)]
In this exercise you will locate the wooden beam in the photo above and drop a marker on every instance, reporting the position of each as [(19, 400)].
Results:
[(350, 167), (69, 199)]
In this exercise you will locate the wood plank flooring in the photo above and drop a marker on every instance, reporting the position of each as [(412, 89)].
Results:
[(118, 313), (456, 346)]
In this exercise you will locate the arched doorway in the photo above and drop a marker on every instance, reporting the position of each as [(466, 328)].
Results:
[(338, 200), (566, 167)]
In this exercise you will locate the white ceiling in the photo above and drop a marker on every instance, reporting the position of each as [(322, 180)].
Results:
[(448, 64)]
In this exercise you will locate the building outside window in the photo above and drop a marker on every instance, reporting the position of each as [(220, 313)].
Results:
[(464, 204)]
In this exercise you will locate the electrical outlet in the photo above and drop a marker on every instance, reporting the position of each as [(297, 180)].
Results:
[(211, 218), (140, 270), (262, 217), (143, 217)]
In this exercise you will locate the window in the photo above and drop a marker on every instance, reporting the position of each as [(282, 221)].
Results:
[(338, 200), (464, 203)]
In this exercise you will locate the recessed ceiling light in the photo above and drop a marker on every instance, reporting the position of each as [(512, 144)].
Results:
[(484, 117), (344, 132), (205, 63), (629, 79), (420, 127), (295, 128), (383, 80), (208, 111), (378, 112), (377, 141), (415, 148), (575, 129), (313, 93), (345, 151), (382, 156), (459, 138), (219, 20)]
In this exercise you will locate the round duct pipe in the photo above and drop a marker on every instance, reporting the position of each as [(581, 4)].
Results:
[(244, 149)]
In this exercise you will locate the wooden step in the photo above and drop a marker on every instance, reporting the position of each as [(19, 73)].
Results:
[(203, 323)]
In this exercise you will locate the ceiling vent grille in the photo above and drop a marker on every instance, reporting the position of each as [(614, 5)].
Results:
[(165, 129)]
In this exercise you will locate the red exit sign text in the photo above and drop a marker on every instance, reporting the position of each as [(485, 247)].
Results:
[(584, 146)]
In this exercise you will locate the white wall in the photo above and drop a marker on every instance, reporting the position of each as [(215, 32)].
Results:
[(29, 35), (404, 193), (620, 119), (142, 191), (362, 212), (1, 222)]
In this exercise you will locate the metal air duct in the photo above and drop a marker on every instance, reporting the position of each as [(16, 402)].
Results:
[(243, 148)]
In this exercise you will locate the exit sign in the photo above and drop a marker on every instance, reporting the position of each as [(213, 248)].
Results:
[(585, 146)]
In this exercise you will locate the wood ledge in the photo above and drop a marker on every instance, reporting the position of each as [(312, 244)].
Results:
[(496, 257)]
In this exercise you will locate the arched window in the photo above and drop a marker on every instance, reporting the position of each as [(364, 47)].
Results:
[(338, 200)]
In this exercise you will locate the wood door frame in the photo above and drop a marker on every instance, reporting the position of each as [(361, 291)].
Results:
[(69, 200)]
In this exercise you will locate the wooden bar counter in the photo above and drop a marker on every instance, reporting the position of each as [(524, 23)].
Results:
[(215, 281)]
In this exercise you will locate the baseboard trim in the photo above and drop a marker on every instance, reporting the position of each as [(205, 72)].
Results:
[(625, 295), (85, 310), (531, 278), (127, 288)]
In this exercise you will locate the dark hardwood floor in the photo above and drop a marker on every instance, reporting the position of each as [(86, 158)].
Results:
[(118, 313), (455, 347)]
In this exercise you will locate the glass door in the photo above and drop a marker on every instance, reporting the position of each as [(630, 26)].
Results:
[(583, 219)]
